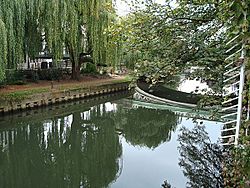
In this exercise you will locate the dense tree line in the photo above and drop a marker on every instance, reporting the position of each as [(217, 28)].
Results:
[(76, 26), (159, 41), (155, 40)]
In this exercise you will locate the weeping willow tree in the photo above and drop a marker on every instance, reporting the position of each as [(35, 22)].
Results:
[(3, 49), (78, 27), (12, 25), (75, 26)]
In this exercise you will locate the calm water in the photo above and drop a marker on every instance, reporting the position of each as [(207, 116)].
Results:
[(98, 143)]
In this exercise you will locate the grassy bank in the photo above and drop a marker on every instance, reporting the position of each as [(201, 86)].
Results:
[(20, 93)]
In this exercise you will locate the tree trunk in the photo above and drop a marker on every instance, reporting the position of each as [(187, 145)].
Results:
[(75, 75), (76, 67)]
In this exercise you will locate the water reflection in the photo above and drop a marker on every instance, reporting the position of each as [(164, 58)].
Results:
[(78, 147), (200, 159), (71, 151), (148, 127)]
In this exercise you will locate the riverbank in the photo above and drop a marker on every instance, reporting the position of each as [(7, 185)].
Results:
[(20, 97)]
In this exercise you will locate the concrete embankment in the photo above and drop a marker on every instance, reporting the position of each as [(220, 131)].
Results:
[(18, 102)]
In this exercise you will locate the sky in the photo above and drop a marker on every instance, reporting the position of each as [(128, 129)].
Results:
[(123, 8)]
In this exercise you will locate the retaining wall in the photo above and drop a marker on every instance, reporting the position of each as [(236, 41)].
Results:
[(52, 97)]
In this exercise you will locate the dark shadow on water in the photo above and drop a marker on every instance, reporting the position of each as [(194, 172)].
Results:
[(200, 159)]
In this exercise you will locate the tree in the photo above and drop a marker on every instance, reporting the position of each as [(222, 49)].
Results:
[(167, 40), (3, 49), (76, 26)]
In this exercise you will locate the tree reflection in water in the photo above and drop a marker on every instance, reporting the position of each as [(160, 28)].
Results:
[(81, 149), (147, 127), (201, 160), (77, 149)]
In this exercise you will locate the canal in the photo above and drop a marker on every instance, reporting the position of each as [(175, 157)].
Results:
[(99, 142)]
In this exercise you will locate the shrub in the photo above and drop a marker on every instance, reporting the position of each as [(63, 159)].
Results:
[(14, 76), (34, 76), (89, 69), (19, 76), (50, 74), (31, 75)]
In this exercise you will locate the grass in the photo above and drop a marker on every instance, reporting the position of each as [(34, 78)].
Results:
[(21, 95), (127, 78), (17, 96)]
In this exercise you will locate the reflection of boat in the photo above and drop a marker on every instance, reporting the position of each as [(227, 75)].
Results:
[(203, 114)]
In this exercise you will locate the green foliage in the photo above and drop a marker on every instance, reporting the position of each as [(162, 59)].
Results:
[(49, 74), (90, 69), (127, 78), (236, 168), (19, 77), (13, 15), (76, 26), (240, 17), (162, 41), (3, 49), (34, 76), (237, 161), (14, 76)]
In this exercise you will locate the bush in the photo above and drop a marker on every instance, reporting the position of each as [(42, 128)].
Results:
[(2, 84), (34, 76), (14, 76), (19, 76), (50, 74), (31, 75), (90, 69)]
